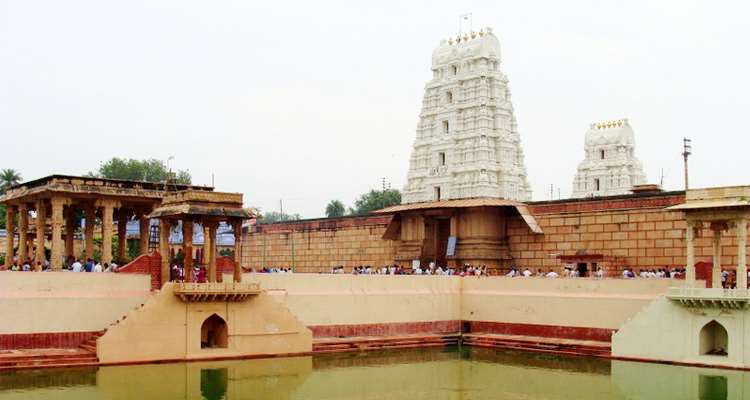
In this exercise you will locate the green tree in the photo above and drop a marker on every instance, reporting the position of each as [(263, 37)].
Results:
[(275, 216), (150, 170), (375, 200), (8, 178), (335, 208)]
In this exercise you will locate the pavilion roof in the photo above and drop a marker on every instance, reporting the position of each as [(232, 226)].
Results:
[(201, 204), (717, 197), (90, 186)]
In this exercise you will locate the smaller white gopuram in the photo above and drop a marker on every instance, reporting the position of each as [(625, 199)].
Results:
[(610, 167)]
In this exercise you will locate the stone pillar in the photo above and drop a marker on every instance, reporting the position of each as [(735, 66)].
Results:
[(108, 210), (742, 254), (122, 235), (690, 254), (212, 264), (716, 270), (237, 227), (144, 232), (41, 222), (90, 217), (23, 229), (187, 248), (209, 236), (70, 231), (56, 256), (10, 221), (164, 232)]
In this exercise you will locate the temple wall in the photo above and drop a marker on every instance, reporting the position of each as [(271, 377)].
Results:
[(329, 305), (46, 302), (568, 308), (363, 305), (318, 245), (366, 305), (637, 231)]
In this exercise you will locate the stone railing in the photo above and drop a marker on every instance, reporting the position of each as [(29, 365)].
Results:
[(216, 291), (710, 297)]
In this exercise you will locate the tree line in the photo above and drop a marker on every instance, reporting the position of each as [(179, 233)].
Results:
[(149, 170), (365, 203)]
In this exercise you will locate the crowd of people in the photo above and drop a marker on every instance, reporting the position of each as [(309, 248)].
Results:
[(71, 264), (430, 269), (177, 273), (276, 270), (728, 277), (666, 272)]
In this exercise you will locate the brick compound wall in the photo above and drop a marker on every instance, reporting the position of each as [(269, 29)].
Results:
[(318, 245), (637, 230), (633, 231)]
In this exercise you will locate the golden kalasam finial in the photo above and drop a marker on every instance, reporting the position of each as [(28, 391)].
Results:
[(481, 32), (473, 34)]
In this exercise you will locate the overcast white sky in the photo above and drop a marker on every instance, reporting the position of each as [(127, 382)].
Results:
[(313, 101)]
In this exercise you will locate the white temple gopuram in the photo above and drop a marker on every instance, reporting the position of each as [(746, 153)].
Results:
[(467, 143), (610, 167)]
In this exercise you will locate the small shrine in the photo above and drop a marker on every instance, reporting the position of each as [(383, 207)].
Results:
[(207, 209)]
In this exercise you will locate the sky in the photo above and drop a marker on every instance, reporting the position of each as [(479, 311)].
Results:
[(300, 103)]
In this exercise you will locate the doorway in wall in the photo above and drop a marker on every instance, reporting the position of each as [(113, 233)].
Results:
[(583, 269), (443, 233), (714, 339), (214, 332)]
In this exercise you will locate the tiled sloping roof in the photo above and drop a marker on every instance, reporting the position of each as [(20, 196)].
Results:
[(464, 203), (458, 203)]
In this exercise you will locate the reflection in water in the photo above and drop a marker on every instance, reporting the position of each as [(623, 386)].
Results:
[(404, 374), (214, 383), (712, 387)]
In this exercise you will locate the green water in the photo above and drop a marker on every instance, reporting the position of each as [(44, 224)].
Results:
[(460, 374)]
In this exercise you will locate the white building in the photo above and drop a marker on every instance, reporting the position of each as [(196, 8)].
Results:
[(610, 167), (467, 142)]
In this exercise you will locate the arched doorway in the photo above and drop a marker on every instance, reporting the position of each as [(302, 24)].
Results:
[(714, 339), (214, 332)]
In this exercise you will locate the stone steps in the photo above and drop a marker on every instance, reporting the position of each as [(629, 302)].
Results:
[(539, 344), (335, 345), (47, 358), (83, 355)]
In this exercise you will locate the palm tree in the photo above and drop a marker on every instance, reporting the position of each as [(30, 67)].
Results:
[(8, 178), (335, 209)]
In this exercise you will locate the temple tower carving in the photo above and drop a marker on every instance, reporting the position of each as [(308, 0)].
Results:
[(610, 167), (467, 142)]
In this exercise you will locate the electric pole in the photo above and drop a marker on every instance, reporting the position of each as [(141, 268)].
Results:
[(686, 151)]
